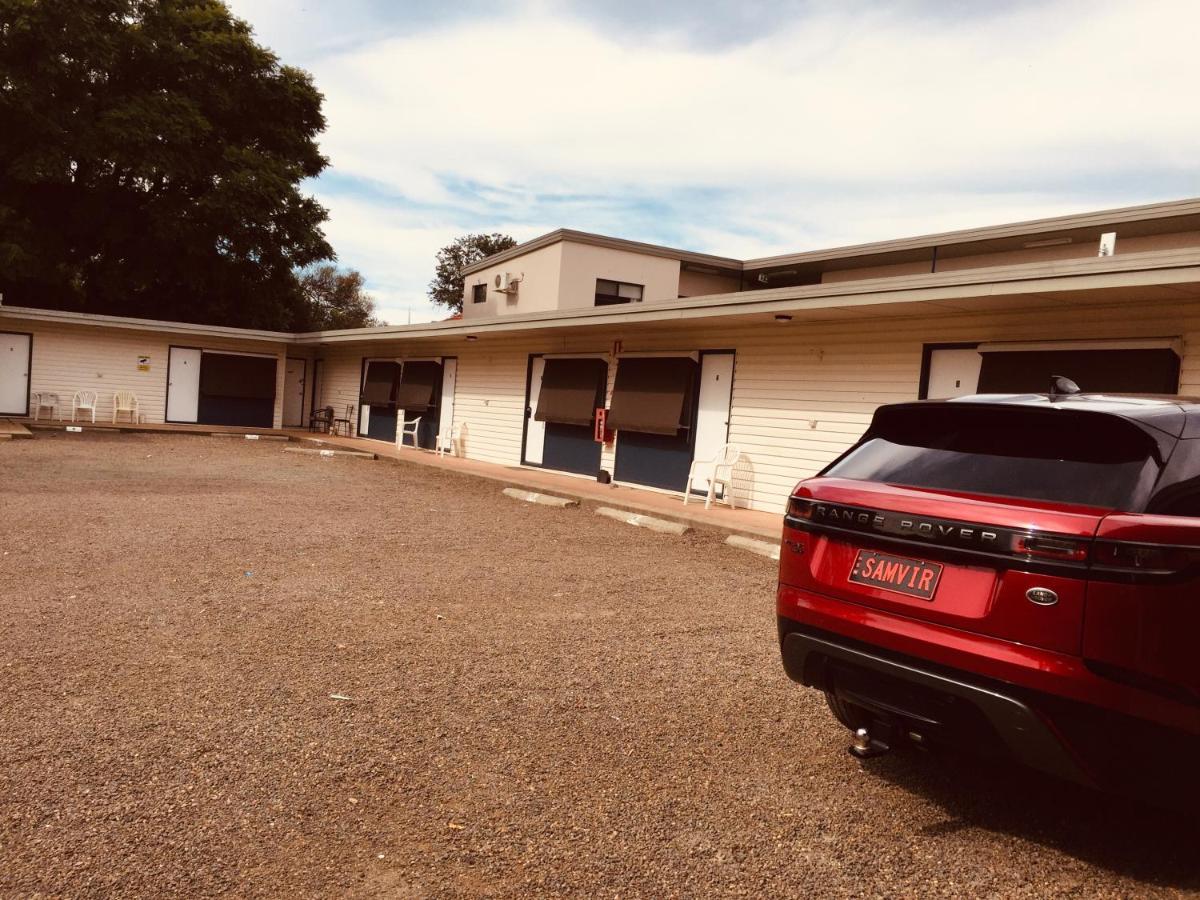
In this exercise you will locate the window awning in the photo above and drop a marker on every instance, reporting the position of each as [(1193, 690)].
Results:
[(418, 381), (1144, 371), (652, 394), (571, 391), (379, 388)]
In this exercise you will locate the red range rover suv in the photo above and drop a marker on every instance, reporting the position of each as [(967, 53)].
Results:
[(1019, 575)]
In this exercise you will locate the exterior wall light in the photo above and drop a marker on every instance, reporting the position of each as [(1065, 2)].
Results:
[(782, 318), (472, 337)]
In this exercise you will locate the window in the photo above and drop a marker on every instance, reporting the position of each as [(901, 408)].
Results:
[(609, 293), (479, 293), (1060, 455)]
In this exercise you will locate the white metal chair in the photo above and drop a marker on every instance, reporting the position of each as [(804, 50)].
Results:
[(718, 470), (126, 402), (86, 401), (451, 441), (40, 400), (409, 429)]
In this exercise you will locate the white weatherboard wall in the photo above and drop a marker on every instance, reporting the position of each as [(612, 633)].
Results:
[(802, 393), (69, 358)]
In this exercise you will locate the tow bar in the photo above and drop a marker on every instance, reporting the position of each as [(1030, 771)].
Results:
[(866, 747)]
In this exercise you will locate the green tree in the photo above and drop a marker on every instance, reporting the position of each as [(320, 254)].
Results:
[(446, 288), (151, 155), (336, 299)]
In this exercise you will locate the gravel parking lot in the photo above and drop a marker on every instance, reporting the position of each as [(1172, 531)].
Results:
[(540, 702)]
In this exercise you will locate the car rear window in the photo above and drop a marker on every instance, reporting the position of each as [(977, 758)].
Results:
[(1059, 455)]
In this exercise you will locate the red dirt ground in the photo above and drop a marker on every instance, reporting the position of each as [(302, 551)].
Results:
[(541, 703)]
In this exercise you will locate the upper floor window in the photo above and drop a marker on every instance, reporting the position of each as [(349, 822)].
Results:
[(479, 293), (611, 292)]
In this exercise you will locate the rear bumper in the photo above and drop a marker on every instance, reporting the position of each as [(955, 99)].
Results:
[(817, 659), (1027, 670)]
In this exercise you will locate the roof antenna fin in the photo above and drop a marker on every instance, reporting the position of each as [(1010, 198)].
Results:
[(1061, 386)]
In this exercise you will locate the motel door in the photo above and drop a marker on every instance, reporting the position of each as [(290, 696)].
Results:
[(654, 414), (293, 392), (564, 394), (183, 384), (712, 410), (535, 428), (445, 418), (15, 355)]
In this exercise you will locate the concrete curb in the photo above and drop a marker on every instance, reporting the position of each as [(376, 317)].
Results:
[(312, 451), (512, 477), (250, 436), (662, 526), (762, 548), (540, 499), (124, 428)]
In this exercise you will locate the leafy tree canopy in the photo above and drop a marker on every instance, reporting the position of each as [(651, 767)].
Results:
[(335, 299), (151, 155), (446, 288)]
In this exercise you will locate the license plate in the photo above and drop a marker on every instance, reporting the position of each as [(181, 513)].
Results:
[(910, 577)]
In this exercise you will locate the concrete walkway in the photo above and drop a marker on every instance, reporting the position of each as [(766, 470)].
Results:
[(10, 429), (144, 427), (754, 523)]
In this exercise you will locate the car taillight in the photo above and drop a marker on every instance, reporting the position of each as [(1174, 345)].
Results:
[(1041, 546), (799, 508), (1159, 559)]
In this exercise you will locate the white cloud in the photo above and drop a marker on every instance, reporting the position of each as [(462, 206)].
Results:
[(838, 127), (558, 106)]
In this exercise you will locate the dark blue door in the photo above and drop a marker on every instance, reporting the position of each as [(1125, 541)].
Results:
[(571, 448), (381, 423), (655, 460)]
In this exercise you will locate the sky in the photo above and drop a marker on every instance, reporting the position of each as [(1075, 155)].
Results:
[(743, 129)]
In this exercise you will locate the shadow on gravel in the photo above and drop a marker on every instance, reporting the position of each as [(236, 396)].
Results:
[(1134, 839)]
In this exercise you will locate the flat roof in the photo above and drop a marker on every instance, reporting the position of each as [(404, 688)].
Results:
[(1029, 227), (1115, 216), (612, 243), (1179, 269), (70, 317), (1176, 271)]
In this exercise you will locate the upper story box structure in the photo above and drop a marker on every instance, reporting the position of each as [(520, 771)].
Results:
[(570, 270), (574, 270)]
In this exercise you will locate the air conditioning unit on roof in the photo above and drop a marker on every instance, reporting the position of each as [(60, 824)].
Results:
[(506, 282)]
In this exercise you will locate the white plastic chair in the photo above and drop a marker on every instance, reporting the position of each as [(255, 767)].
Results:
[(126, 402), (44, 400), (86, 401), (451, 441), (409, 429), (718, 470)]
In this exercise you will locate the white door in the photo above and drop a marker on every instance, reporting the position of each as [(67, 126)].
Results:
[(535, 431), (953, 372), (183, 384), (14, 374), (446, 417), (293, 393), (712, 413)]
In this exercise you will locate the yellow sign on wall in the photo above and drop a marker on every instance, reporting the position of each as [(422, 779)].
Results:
[(143, 364)]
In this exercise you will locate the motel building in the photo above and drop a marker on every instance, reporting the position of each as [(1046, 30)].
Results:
[(785, 357)]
